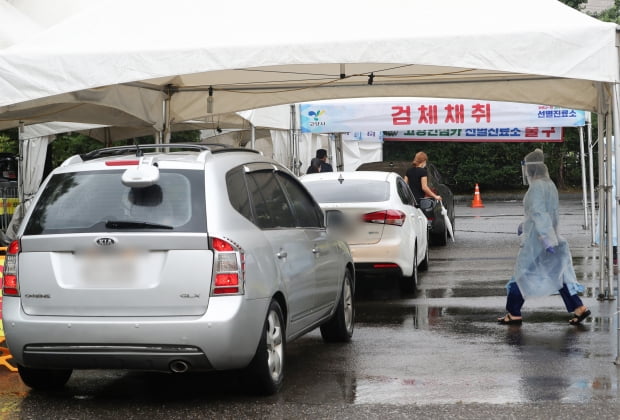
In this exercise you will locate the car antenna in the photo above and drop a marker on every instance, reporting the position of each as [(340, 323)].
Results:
[(139, 152)]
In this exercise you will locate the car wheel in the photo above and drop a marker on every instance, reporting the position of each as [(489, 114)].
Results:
[(408, 284), (340, 327), (441, 239), (424, 264), (44, 378), (266, 371)]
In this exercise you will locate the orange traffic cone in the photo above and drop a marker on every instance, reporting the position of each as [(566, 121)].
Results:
[(477, 201)]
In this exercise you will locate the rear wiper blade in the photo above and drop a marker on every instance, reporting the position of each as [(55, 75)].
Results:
[(128, 224)]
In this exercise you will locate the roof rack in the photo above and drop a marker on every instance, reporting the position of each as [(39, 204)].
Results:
[(138, 149)]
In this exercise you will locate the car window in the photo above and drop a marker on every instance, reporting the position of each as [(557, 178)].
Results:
[(86, 201), (307, 212), (270, 205), (238, 193), (349, 191), (404, 192), (433, 174)]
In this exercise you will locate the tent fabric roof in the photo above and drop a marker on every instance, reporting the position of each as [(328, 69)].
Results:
[(15, 26), (256, 54)]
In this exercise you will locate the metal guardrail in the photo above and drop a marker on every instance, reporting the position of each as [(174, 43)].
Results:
[(8, 202)]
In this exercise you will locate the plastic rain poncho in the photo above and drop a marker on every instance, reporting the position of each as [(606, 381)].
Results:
[(544, 261)]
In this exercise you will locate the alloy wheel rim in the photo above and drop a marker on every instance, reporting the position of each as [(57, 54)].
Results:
[(275, 347), (348, 305)]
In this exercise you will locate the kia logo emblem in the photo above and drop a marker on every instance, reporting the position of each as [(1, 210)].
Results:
[(105, 241)]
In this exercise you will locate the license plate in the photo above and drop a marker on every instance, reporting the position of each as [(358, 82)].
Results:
[(109, 269)]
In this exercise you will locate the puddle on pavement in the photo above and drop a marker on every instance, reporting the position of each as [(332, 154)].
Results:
[(459, 354)]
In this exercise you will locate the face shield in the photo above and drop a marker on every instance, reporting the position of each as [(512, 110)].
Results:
[(534, 165)]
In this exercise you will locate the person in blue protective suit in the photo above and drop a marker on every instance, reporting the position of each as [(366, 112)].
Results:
[(544, 264)]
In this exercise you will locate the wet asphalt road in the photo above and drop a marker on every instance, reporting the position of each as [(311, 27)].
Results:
[(437, 353)]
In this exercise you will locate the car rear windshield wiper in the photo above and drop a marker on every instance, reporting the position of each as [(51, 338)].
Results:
[(129, 224)]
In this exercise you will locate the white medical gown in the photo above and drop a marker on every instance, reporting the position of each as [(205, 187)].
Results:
[(538, 272)]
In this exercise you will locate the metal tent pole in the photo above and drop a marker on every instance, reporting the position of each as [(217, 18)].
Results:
[(584, 183), (601, 204), (608, 202), (616, 130), (591, 171)]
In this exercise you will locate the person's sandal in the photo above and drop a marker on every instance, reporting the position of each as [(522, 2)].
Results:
[(576, 320), (509, 320)]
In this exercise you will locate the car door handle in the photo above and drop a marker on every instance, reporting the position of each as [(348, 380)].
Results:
[(281, 254), (315, 251)]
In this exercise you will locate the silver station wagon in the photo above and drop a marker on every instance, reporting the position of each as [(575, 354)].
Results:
[(172, 258)]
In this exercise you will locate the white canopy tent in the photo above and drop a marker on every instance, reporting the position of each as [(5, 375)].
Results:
[(16, 26), (535, 51), (46, 13), (192, 58), (21, 19)]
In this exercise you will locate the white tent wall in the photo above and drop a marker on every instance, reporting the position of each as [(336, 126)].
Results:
[(32, 150), (264, 145), (357, 152), (308, 145)]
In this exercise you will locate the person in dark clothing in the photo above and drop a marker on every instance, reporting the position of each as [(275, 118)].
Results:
[(322, 155), (315, 166), (417, 178)]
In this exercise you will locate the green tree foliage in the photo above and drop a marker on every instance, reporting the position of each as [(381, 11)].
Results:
[(8, 145), (610, 15), (575, 4), (68, 145), (9, 141)]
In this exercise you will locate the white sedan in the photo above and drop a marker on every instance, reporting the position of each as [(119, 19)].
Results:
[(388, 233)]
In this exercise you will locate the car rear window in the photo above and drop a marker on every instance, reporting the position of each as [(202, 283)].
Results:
[(349, 191), (97, 201)]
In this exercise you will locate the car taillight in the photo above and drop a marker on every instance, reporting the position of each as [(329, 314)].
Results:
[(228, 268), (388, 217), (10, 286)]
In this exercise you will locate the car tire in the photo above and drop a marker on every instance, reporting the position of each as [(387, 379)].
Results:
[(44, 379), (266, 370), (424, 264), (340, 327), (441, 239), (408, 284)]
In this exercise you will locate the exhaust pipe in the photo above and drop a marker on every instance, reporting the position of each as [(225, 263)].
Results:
[(178, 366)]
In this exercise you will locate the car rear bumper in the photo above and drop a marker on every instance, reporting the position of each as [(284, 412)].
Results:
[(377, 258), (378, 268), (225, 337), (164, 358)]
